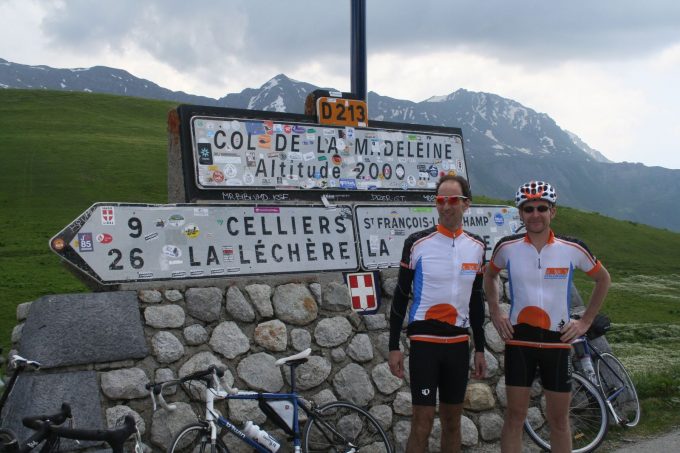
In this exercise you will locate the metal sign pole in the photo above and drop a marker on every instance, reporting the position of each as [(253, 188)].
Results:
[(359, 48)]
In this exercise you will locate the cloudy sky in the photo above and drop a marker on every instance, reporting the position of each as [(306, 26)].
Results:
[(607, 70)]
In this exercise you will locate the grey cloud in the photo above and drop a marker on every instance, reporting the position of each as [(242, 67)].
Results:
[(193, 36)]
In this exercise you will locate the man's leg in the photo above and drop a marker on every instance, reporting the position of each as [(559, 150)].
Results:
[(557, 413), (421, 425), (449, 415), (515, 414)]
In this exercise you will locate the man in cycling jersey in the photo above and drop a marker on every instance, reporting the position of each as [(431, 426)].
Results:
[(443, 264), (538, 330)]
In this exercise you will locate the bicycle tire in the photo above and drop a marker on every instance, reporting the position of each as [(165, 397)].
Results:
[(626, 404), (8, 441), (587, 418), (336, 426), (195, 438)]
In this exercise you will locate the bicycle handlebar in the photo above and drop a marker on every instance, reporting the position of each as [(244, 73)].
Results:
[(211, 376), (110, 436), (37, 422)]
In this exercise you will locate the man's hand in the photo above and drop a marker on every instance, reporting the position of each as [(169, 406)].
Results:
[(502, 324), (396, 363), (480, 366), (574, 329)]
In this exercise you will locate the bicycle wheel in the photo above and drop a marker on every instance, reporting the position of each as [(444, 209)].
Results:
[(195, 438), (8, 441), (587, 417), (339, 426), (618, 388)]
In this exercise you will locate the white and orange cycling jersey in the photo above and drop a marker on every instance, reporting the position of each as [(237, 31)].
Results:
[(540, 282), (445, 264)]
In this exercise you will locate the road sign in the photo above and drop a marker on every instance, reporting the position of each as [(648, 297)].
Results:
[(382, 229), (116, 243), (342, 112)]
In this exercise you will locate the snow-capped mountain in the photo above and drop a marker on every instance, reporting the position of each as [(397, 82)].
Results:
[(506, 143)]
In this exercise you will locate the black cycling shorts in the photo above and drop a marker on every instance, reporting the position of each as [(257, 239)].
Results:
[(440, 366), (552, 363)]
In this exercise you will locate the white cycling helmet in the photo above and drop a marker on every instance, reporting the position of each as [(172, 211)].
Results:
[(535, 190)]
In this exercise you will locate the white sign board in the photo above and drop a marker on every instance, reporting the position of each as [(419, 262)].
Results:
[(383, 229)]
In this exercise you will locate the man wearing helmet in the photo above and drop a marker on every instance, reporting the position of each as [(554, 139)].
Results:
[(538, 330)]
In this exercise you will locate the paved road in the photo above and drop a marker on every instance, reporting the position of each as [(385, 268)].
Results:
[(666, 443)]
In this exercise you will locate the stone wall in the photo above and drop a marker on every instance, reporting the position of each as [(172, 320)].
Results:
[(244, 328)]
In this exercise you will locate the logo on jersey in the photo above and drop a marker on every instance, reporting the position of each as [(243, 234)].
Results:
[(557, 273), (469, 268)]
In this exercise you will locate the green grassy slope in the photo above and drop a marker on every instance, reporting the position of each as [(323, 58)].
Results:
[(61, 152)]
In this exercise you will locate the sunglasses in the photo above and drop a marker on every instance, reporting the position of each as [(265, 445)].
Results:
[(452, 200), (530, 209)]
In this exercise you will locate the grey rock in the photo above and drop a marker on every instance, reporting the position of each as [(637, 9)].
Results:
[(260, 296), (324, 397), (385, 381), (228, 340), (115, 417), (260, 373), (315, 288), (166, 347), (375, 322), (173, 295), (300, 339), (311, 374), (164, 375), (22, 310), (241, 411), (435, 440), (352, 383), (478, 397), (200, 362), (493, 340), (125, 384), (469, 432), (336, 297), (360, 349), (338, 355), (238, 307), (272, 335), (294, 304), (195, 334), (382, 342), (331, 332), (45, 392), (401, 430), (164, 316), (109, 329), (500, 393), (150, 296), (535, 417), (402, 403), (166, 424), (490, 426), (389, 286), (16, 333), (204, 303), (491, 364), (383, 414)]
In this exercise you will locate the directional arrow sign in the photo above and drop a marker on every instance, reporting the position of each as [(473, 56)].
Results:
[(383, 229), (118, 243)]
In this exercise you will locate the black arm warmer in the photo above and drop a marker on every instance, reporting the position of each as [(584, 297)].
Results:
[(399, 305), (477, 314)]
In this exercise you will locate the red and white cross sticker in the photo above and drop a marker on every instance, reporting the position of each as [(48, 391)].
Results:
[(363, 292), (108, 215)]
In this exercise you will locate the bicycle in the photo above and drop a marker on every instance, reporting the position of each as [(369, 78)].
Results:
[(47, 430), (596, 391), (334, 427), (19, 364)]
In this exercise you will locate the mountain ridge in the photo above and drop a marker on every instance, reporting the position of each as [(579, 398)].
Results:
[(506, 142)]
